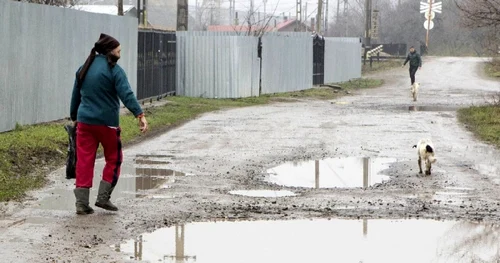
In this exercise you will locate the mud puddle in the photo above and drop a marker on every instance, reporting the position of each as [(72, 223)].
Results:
[(329, 173), (134, 182), (318, 241), (263, 193), (432, 108)]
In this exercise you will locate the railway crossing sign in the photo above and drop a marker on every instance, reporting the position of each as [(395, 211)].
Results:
[(436, 6), (430, 8)]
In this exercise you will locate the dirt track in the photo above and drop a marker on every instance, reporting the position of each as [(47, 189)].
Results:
[(229, 150)]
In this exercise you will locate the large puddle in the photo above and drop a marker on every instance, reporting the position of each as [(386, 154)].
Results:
[(135, 181), (328, 173), (318, 241)]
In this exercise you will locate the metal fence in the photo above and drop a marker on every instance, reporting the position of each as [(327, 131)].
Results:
[(394, 49), (342, 61), (318, 60), (217, 65), (287, 62), (39, 57), (156, 60)]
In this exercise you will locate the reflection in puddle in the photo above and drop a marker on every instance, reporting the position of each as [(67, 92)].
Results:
[(334, 172), (263, 193), (156, 172), (432, 108), (319, 241), (134, 182)]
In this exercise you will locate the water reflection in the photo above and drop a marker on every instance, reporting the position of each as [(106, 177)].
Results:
[(319, 241), (335, 172), (135, 181)]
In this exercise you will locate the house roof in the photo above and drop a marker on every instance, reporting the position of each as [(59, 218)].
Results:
[(235, 28), (285, 24)]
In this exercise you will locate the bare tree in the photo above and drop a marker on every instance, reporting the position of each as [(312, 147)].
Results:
[(483, 13), (203, 15), (253, 25)]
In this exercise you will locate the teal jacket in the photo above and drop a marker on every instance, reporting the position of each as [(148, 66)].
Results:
[(97, 102), (414, 58)]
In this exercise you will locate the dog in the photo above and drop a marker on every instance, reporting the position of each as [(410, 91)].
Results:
[(425, 151), (414, 90)]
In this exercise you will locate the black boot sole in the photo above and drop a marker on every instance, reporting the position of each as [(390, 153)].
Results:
[(106, 207), (87, 212)]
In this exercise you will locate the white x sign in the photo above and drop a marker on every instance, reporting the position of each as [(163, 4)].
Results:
[(436, 7)]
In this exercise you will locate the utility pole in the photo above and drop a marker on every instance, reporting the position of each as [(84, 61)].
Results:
[(305, 16), (319, 19), (326, 17), (230, 10), (139, 11), (338, 12), (298, 13), (120, 7), (144, 13), (346, 25), (367, 26), (252, 13), (182, 15)]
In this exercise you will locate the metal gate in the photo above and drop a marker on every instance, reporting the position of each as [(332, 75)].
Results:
[(318, 60), (156, 64)]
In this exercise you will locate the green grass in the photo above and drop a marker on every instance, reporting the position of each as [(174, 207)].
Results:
[(492, 68), (28, 153), (381, 65), (483, 121)]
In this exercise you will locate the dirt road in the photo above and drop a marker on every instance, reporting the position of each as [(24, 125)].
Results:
[(233, 149)]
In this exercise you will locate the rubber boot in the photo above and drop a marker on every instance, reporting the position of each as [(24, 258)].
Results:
[(103, 196), (82, 201)]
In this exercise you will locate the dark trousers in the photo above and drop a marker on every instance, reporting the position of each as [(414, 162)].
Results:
[(413, 70)]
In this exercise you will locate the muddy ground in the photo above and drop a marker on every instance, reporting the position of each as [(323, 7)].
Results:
[(231, 150)]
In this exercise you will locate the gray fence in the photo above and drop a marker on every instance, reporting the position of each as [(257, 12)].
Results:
[(41, 49), (341, 59), (287, 63), (227, 64), (217, 66)]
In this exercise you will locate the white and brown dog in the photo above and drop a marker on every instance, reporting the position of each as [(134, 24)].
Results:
[(425, 151), (414, 90)]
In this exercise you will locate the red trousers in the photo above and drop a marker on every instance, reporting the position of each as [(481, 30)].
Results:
[(88, 138)]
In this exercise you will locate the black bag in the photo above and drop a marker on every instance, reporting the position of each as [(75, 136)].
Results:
[(71, 160)]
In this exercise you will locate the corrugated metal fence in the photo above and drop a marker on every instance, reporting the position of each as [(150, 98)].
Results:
[(40, 54), (227, 65), (217, 66), (342, 59), (287, 63), (156, 64)]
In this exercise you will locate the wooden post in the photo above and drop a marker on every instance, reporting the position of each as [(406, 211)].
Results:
[(428, 24)]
